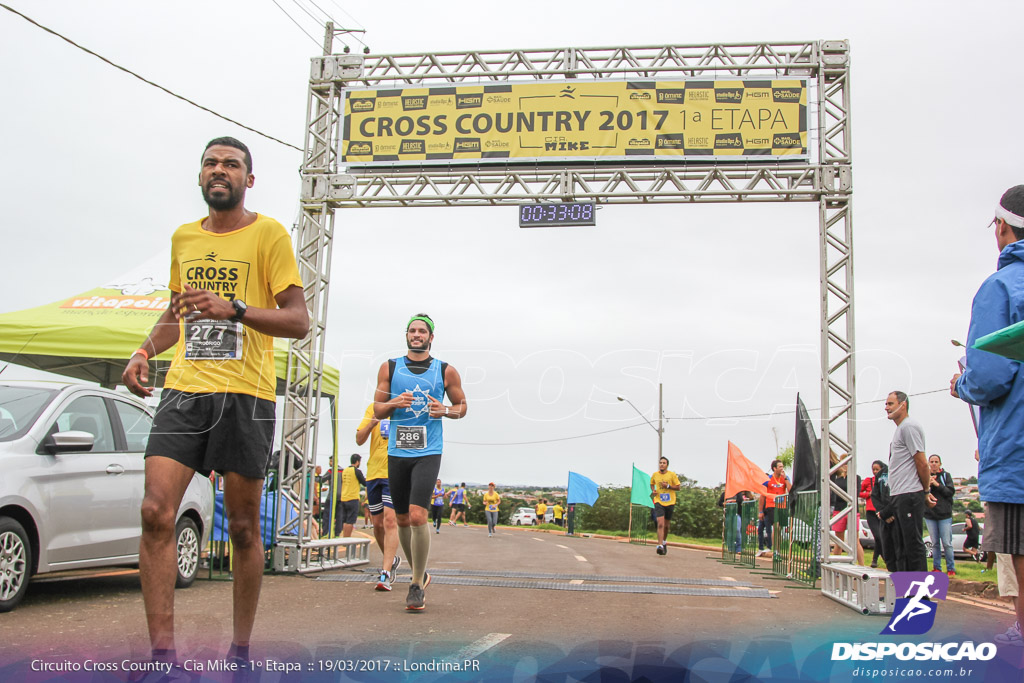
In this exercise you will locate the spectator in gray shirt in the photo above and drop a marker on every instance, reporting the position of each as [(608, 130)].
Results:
[(909, 482)]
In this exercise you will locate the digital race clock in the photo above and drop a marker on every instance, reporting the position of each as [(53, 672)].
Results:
[(562, 213)]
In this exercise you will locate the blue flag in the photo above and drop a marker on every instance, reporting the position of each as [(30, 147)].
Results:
[(581, 490)]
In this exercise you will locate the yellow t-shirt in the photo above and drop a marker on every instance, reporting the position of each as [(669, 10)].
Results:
[(665, 497), (491, 500), (349, 484), (541, 509), (377, 465), (254, 264), (558, 510)]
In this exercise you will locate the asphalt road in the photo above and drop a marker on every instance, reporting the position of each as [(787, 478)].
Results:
[(707, 613)]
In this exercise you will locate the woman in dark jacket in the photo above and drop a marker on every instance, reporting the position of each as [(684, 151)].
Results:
[(869, 507), (939, 519), (886, 515)]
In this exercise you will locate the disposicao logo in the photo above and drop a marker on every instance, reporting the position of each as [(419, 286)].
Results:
[(914, 614)]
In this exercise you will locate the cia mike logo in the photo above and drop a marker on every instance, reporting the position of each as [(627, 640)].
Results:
[(914, 613)]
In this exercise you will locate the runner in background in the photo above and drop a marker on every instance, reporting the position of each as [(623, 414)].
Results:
[(491, 502)]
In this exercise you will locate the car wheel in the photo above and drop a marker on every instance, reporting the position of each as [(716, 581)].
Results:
[(186, 535), (15, 563), (928, 548), (519, 523)]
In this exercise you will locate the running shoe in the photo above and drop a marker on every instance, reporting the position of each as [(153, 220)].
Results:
[(385, 581), (414, 600), (951, 573), (395, 564), (1011, 637)]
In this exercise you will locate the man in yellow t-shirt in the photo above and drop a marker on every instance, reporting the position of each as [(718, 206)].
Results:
[(664, 485), (559, 512), (541, 510), (378, 494), (348, 495), (235, 286)]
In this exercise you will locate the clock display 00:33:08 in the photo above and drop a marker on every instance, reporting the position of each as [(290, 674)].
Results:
[(566, 213)]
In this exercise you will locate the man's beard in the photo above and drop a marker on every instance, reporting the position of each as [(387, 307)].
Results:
[(424, 348), (233, 199)]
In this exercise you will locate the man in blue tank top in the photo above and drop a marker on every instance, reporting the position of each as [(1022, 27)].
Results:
[(410, 391)]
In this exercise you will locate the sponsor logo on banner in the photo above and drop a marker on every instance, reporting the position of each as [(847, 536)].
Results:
[(729, 95), (440, 101), (359, 104), (359, 148), (439, 147), (698, 95), (640, 142), (787, 141), (414, 103), (467, 145), (640, 96), (671, 96), (471, 101), (786, 94), (728, 141), (669, 141), (136, 303), (695, 142), (913, 615), (413, 147)]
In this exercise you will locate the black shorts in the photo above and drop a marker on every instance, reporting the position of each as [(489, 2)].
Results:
[(461, 507), (348, 511), (664, 511), (412, 481), (214, 432)]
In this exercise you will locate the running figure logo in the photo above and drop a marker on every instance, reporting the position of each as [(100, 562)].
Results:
[(914, 613)]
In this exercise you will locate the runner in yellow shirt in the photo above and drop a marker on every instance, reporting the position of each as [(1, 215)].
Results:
[(664, 485), (491, 501)]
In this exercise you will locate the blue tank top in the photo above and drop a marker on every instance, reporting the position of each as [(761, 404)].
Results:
[(438, 496), (459, 497), (413, 432)]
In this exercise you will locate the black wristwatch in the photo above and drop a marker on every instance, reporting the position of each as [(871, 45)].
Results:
[(240, 309)]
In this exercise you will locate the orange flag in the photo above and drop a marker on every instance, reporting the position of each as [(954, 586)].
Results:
[(743, 475)]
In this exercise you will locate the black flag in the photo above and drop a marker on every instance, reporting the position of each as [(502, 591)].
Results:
[(806, 451)]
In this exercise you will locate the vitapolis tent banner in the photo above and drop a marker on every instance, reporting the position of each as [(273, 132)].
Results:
[(693, 120)]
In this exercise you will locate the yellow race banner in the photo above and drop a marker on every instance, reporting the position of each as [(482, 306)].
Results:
[(699, 120)]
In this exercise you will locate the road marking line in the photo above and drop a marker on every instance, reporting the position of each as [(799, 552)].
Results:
[(727, 578), (562, 546), (581, 558), (475, 649), (537, 539), (577, 582)]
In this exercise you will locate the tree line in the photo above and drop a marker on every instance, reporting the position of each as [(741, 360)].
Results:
[(696, 513)]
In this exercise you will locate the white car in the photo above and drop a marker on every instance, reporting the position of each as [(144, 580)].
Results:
[(71, 485), (523, 517)]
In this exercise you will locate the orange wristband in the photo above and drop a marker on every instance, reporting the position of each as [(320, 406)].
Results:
[(143, 352)]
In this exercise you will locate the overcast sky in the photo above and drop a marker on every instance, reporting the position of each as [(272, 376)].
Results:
[(717, 302)]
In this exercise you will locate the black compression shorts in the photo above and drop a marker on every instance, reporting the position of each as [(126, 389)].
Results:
[(412, 481)]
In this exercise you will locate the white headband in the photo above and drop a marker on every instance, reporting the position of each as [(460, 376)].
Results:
[(1010, 218)]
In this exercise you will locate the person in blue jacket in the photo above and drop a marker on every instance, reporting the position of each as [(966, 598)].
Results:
[(996, 385)]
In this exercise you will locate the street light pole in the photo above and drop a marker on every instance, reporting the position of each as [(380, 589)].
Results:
[(661, 414)]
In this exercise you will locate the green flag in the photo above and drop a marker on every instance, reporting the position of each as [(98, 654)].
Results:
[(641, 489)]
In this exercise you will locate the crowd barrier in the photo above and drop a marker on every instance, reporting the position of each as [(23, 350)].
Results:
[(640, 525)]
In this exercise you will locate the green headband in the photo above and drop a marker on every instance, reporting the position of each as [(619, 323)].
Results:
[(428, 321)]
